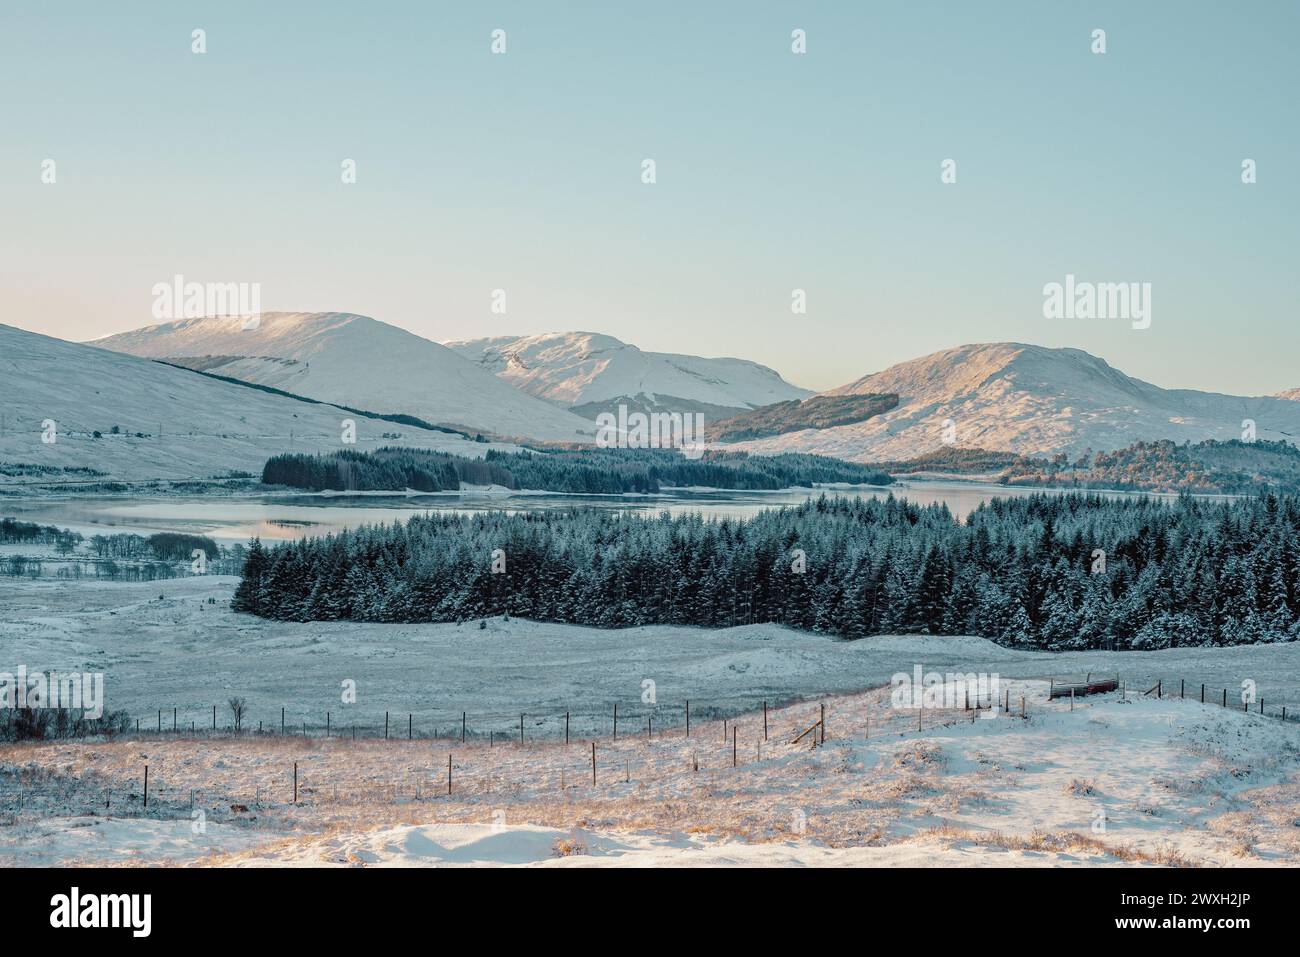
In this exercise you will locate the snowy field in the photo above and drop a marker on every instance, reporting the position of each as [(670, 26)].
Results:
[(1118, 780), (1135, 782), (182, 652)]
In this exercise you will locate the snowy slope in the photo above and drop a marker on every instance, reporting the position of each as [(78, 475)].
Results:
[(1293, 394), (1032, 400), (190, 426), (580, 369), (358, 362)]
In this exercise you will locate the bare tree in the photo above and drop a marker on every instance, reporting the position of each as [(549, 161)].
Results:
[(237, 711)]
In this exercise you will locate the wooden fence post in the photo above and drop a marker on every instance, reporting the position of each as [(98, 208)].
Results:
[(593, 763), (295, 782), (1182, 688), (146, 787), (1202, 692), (733, 745), (173, 720), (615, 720), (214, 717), (521, 729), (764, 720), (410, 726), (449, 774), (282, 720), (327, 724), (385, 725), (822, 731), (462, 728), (688, 717), (566, 727)]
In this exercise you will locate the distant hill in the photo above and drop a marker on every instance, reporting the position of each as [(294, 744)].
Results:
[(1232, 467), (1029, 400), (589, 373), (817, 412), (121, 418), (355, 361)]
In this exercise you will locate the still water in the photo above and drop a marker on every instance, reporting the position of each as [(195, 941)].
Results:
[(288, 516)]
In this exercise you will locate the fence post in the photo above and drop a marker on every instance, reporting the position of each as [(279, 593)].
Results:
[(410, 726), (733, 745), (566, 727), (327, 724), (593, 764), (146, 787), (173, 720), (764, 720), (1182, 687), (282, 720), (295, 782), (448, 774), (1022, 706), (688, 717), (214, 717), (521, 729), (1071, 699), (1202, 692), (462, 732), (1225, 697), (385, 725), (822, 721), (615, 720)]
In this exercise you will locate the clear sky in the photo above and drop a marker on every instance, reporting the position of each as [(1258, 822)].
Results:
[(775, 171)]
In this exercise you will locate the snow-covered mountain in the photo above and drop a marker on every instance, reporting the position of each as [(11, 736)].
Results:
[(358, 362), (588, 373), (158, 422), (1032, 400)]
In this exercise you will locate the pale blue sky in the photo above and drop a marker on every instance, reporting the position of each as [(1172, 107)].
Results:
[(775, 171)]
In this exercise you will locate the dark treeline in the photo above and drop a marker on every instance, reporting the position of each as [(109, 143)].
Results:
[(590, 471), (1061, 572), (14, 532)]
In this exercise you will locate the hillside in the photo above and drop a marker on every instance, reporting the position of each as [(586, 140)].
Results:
[(591, 373), (358, 362), (1228, 468), (816, 412), (1034, 401), (156, 421)]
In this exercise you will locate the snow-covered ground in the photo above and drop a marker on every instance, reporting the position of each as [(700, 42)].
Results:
[(1118, 779), (1134, 781), (162, 645)]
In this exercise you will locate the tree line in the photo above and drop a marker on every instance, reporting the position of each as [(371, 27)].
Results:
[(583, 471), (1074, 571)]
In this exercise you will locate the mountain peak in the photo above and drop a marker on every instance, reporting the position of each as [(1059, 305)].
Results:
[(587, 370), (1030, 399)]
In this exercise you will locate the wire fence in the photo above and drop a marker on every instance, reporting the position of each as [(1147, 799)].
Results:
[(496, 754)]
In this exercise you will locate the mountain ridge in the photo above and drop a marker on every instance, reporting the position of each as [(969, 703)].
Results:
[(356, 361), (1031, 400), (593, 372)]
